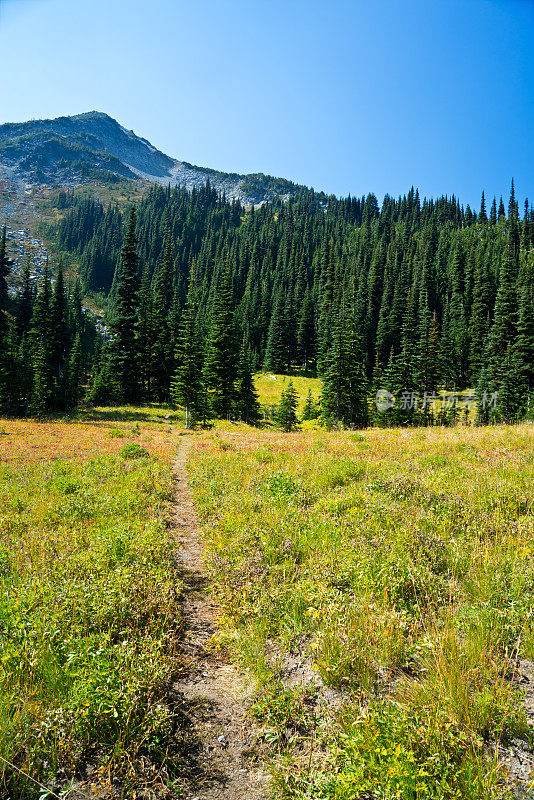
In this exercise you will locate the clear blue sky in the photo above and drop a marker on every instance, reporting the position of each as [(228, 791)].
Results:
[(355, 96)]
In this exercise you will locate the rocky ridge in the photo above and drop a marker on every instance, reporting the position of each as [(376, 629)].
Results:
[(68, 151)]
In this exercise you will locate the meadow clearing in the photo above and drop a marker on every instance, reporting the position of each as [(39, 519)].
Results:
[(379, 585)]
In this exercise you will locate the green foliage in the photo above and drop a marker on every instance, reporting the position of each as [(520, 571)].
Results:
[(133, 450), (380, 587), (413, 296), (220, 365), (124, 348), (286, 414), (87, 594)]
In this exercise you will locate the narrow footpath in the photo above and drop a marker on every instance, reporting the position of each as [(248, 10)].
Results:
[(213, 694)]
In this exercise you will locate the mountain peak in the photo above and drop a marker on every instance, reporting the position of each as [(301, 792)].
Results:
[(71, 150)]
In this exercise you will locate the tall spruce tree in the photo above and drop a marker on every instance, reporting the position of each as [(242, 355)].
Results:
[(187, 388), (124, 344), (247, 402), (286, 413), (220, 365)]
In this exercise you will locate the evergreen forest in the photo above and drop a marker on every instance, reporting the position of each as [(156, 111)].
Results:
[(413, 297)]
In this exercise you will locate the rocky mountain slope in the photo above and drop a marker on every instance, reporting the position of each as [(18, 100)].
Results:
[(71, 150)]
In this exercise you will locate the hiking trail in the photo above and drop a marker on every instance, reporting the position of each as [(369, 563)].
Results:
[(213, 694)]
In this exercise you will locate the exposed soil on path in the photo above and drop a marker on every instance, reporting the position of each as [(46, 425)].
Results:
[(213, 694)]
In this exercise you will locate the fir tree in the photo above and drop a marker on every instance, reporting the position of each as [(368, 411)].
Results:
[(59, 338), (220, 366), (343, 394), (76, 372), (306, 345), (124, 344), (163, 339), (276, 354), (248, 405), (286, 414), (310, 410), (187, 388)]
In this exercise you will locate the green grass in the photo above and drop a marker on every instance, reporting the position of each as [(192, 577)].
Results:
[(88, 610), (398, 567), (270, 387)]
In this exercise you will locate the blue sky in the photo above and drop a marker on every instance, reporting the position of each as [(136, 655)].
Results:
[(368, 95)]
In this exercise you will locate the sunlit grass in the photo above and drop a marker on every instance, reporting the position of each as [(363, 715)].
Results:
[(270, 387), (399, 564), (88, 604)]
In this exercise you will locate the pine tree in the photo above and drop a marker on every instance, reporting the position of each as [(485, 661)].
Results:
[(187, 389), (310, 410), (59, 339), (124, 343), (248, 405), (76, 372), (276, 353), (220, 366), (286, 414)]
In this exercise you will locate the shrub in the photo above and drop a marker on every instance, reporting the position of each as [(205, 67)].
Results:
[(133, 450)]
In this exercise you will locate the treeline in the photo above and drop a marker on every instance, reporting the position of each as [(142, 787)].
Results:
[(412, 297), (156, 351), (47, 343)]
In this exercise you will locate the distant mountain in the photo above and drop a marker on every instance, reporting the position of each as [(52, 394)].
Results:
[(71, 150)]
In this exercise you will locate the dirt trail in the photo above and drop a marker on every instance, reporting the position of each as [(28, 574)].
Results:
[(213, 694)]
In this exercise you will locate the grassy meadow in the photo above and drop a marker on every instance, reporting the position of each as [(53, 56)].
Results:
[(379, 585), (88, 605), (270, 386)]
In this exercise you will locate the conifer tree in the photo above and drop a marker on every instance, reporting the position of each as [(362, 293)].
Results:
[(163, 339), (59, 338), (76, 372), (276, 353), (343, 396), (493, 213), (306, 345), (286, 414), (42, 394), (248, 405), (124, 343), (5, 267), (483, 217), (524, 344), (310, 410), (220, 365), (145, 334), (25, 300), (187, 388), (504, 328)]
